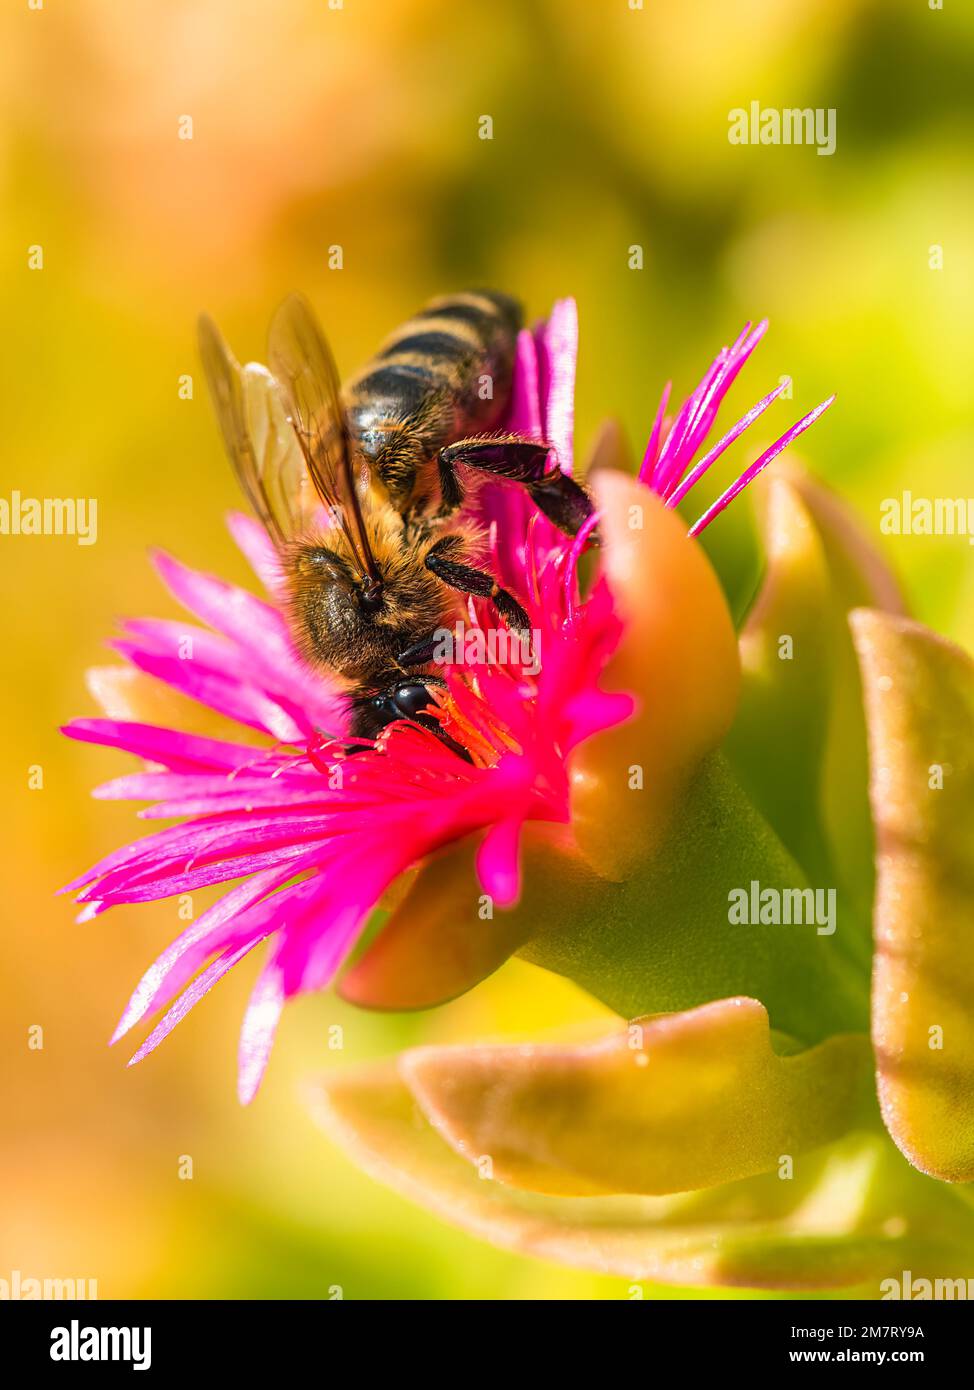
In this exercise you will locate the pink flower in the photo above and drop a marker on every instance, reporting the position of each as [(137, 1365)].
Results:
[(312, 837), (665, 466)]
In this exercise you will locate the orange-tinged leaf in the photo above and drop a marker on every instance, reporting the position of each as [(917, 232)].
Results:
[(673, 1103), (610, 449), (829, 1227), (861, 574), (919, 693), (678, 657)]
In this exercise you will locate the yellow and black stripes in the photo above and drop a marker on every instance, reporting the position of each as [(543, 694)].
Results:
[(425, 387)]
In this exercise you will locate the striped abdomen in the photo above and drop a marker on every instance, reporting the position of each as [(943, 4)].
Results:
[(442, 376)]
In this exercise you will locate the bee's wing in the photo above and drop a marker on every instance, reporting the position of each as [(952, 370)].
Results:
[(301, 361), (257, 435), (283, 473)]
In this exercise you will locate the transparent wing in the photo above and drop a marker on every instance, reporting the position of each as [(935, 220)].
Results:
[(258, 437), (302, 363), (283, 474)]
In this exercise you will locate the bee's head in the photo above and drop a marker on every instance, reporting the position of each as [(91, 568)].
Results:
[(340, 621), (333, 612)]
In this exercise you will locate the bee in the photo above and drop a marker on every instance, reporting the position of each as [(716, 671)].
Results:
[(365, 490)]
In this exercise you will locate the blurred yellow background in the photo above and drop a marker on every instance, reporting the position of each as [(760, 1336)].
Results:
[(316, 126)]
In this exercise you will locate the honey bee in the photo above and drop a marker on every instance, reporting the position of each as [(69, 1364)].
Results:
[(365, 491)]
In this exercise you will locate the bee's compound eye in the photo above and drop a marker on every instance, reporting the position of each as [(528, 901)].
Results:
[(411, 698)]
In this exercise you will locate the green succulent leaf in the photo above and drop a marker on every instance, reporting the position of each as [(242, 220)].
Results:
[(799, 741), (778, 739), (664, 940)]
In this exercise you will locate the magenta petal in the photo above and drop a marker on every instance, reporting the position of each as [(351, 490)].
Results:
[(225, 607), (323, 928), (319, 957), (275, 674), (258, 1030), (184, 641), (558, 356), (648, 466), (180, 960), (171, 747), (498, 862), (690, 423), (758, 466), (524, 414), (668, 469), (158, 847), (249, 797), (165, 882), (677, 494), (594, 710), (213, 837), (258, 783), (245, 704), (697, 414), (201, 986), (258, 550)]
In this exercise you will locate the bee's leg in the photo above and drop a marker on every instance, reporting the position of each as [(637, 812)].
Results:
[(420, 653), (506, 456), (468, 580), (562, 500)]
